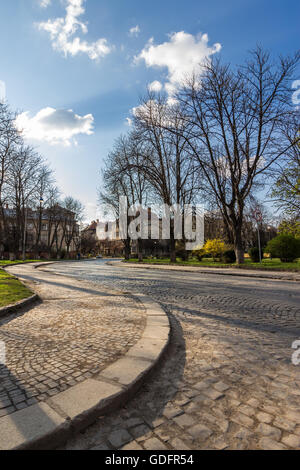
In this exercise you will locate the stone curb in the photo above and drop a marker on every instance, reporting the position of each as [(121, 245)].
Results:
[(285, 276), (49, 424), (18, 305)]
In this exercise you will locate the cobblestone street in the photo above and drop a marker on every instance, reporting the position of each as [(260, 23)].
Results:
[(74, 334), (227, 381)]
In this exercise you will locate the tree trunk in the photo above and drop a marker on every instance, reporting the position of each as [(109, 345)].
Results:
[(172, 246), (127, 248), (238, 245), (140, 250)]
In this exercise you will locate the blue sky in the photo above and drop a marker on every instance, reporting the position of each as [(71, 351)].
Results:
[(48, 72)]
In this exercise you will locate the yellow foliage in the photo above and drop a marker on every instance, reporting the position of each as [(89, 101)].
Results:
[(215, 247)]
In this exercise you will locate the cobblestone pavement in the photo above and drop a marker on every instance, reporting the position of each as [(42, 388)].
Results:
[(227, 381), (75, 333)]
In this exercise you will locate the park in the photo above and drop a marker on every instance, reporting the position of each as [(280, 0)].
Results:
[(149, 229)]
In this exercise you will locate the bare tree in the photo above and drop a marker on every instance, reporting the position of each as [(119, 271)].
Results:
[(165, 161), (234, 119), (39, 204), (72, 210), (122, 177), (286, 190), (23, 180), (9, 140)]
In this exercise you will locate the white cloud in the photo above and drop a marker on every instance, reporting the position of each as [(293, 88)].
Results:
[(62, 31), (45, 3), (155, 86), (135, 31), (182, 55), (55, 126)]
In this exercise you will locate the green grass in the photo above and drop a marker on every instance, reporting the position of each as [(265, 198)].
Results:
[(8, 263), (11, 290), (267, 264)]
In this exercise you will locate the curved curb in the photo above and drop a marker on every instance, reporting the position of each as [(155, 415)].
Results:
[(18, 305), (21, 303), (286, 275), (49, 424)]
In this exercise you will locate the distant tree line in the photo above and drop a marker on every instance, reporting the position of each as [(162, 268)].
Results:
[(28, 192)]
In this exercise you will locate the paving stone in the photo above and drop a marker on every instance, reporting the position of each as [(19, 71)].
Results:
[(157, 422), (202, 385), (284, 424), (223, 425), (269, 444), (247, 410), (162, 433), (140, 431), (264, 417), (4, 403), (213, 394), (243, 434), (220, 444), (253, 402), (184, 420), (132, 422), (200, 432), (182, 401), (172, 412), (242, 419), (101, 446), (178, 444), (292, 441), (119, 438), (7, 411), (269, 431), (132, 446), (154, 444), (21, 406), (293, 415), (221, 386)]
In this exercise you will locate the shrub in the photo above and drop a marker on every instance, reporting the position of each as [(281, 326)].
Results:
[(182, 254), (254, 254), (199, 253), (229, 256), (284, 246), (215, 248)]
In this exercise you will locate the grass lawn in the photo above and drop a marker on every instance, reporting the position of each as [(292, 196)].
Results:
[(11, 290), (267, 264), (7, 263)]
